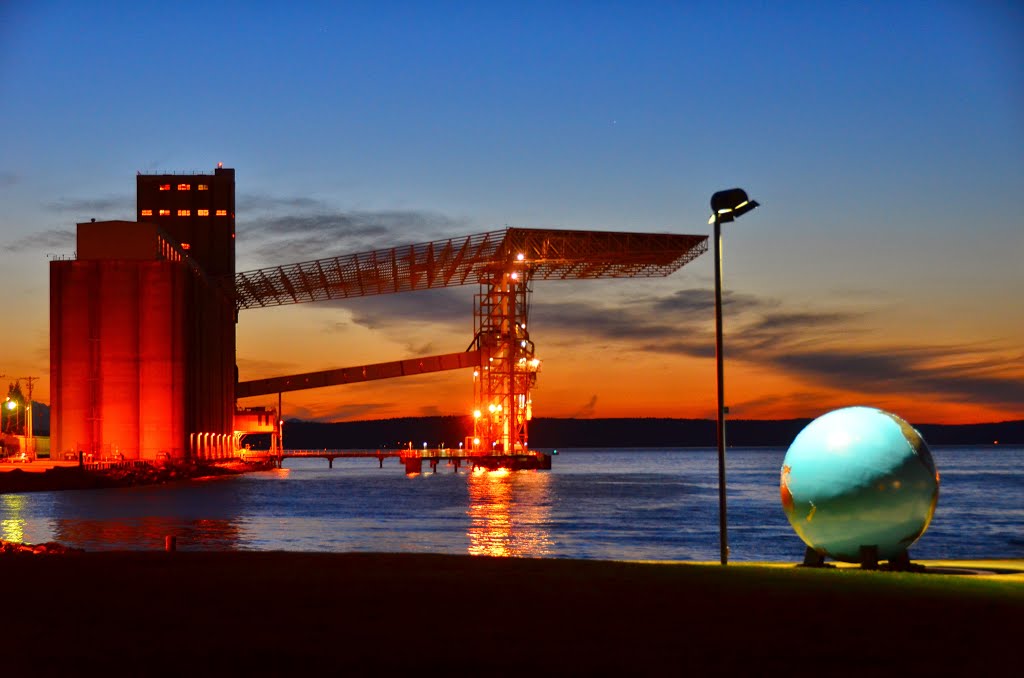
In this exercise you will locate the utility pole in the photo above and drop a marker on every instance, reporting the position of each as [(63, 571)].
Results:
[(30, 442), (2, 376)]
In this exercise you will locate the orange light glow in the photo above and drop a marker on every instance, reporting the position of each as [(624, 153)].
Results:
[(184, 187), (186, 246), (165, 213), (203, 213), (147, 213), (222, 213), (184, 213), (507, 513), (165, 187), (203, 187)]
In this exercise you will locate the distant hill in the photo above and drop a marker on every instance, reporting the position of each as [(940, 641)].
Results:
[(566, 433)]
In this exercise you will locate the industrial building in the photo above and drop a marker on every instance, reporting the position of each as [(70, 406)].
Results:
[(142, 327), (142, 324)]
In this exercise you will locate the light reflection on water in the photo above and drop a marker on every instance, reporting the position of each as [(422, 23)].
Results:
[(612, 504), (508, 514), (12, 527)]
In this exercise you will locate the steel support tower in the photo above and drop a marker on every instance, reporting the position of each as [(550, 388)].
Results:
[(504, 264)]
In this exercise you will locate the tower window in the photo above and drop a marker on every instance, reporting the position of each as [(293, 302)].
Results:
[(165, 213), (203, 213), (184, 187), (147, 213), (203, 187), (184, 213), (222, 213), (165, 187)]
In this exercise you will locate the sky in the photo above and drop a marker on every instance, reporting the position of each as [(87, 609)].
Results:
[(883, 140)]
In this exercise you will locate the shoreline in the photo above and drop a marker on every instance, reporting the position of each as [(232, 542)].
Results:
[(276, 612), (60, 477)]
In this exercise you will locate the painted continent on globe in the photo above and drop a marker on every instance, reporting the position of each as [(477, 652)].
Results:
[(859, 477)]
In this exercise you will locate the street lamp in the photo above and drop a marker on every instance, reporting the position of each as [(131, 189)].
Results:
[(725, 207), (12, 405)]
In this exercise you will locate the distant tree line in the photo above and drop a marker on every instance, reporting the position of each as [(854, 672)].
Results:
[(567, 433)]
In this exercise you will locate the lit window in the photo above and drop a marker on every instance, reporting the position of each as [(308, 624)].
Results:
[(222, 213), (203, 187), (203, 213), (165, 187), (165, 213), (147, 213), (184, 213), (184, 187), (186, 246)]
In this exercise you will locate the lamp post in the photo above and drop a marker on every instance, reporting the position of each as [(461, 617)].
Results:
[(725, 207)]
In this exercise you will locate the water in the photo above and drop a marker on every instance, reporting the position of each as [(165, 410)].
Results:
[(608, 504)]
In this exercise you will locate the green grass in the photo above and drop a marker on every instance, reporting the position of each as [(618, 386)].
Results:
[(385, 613)]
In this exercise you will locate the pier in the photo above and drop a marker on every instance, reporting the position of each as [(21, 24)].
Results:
[(413, 459)]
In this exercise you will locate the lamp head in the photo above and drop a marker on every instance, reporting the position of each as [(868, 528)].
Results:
[(728, 204)]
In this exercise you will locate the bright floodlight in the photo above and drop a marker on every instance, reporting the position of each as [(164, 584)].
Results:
[(729, 204)]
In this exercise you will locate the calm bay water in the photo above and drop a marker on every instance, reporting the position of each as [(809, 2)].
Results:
[(608, 504)]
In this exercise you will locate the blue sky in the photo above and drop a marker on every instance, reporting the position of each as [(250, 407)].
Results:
[(884, 141)]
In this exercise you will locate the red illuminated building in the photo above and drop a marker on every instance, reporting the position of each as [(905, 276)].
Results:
[(142, 327)]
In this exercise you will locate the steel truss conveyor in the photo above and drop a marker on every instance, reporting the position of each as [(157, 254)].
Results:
[(504, 264)]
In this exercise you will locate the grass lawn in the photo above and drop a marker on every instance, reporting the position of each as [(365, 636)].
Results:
[(296, 613)]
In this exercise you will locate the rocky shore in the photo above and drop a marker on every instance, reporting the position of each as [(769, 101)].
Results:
[(47, 548), (79, 478)]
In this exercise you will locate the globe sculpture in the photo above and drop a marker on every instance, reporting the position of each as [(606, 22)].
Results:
[(859, 480)]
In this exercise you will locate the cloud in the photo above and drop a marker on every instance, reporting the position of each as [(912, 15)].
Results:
[(700, 300), (8, 179), (813, 345), (354, 411), (909, 370), (52, 239), (451, 306), (283, 240), (256, 202), (95, 206), (311, 230), (598, 322), (588, 410)]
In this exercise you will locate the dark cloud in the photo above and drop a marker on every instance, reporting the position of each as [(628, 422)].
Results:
[(45, 241), (588, 410), (805, 343), (95, 206), (689, 346), (291, 239), (908, 370), (446, 306), (277, 239), (253, 202), (354, 411), (699, 300), (598, 322)]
